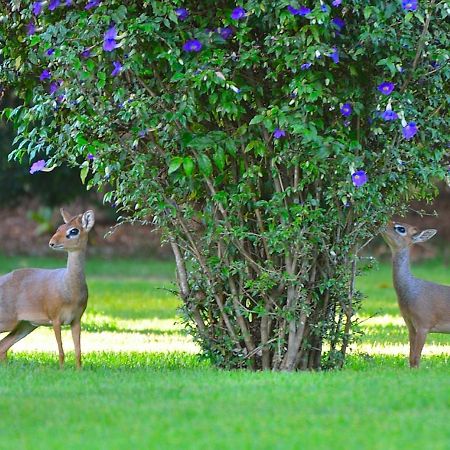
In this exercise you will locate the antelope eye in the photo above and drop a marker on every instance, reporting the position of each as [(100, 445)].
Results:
[(400, 229), (73, 232)]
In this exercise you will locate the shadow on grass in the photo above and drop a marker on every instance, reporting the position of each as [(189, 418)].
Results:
[(366, 362), (397, 334), (97, 361), (112, 327)]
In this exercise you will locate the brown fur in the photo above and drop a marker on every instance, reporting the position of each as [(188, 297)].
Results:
[(425, 306), (33, 297)]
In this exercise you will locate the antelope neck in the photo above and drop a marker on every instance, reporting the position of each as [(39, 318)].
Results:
[(401, 268), (75, 266)]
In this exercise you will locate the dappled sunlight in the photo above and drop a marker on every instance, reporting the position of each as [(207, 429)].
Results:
[(382, 320), (401, 349), (43, 340)]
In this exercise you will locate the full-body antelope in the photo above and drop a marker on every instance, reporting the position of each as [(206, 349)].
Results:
[(425, 306), (30, 298)]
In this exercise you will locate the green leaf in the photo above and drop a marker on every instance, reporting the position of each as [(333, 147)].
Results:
[(188, 166), (81, 140), (177, 76), (175, 164), (90, 65), (257, 119), (84, 171), (35, 40), (204, 163), (220, 158)]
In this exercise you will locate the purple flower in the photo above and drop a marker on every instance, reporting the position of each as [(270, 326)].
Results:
[(45, 75), (302, 11), (109, 40), (225, 32), (142, 133), (346, 109), (50, 51), (410, 130), (410, 5), (68, 2), (389, 115), (53, 87), (324, 8), (386, 87), (92, 4), (31, 28), (192, 45), (238, 13), (359, 178), (37, 8), (306, 66), (336, 2), (278, 133), (182, 13), (117, 68), (335, 55), (347, 123), (86, 53), (338, 23), (53, 4), (90, 157), (37, 166)]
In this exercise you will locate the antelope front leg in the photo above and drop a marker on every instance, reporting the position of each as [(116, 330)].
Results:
[(76, 332), (57, 330), (416, 353), (412, 340)]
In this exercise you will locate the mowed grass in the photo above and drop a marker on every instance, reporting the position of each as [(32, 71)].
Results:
[(144, 387)]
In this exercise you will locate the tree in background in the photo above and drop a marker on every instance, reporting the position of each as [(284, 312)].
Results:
[(268, 140)]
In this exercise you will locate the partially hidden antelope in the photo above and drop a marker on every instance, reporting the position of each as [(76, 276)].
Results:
[(425, 306), (30, 298)]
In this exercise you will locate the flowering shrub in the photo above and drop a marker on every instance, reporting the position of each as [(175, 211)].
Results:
[(269, 140)]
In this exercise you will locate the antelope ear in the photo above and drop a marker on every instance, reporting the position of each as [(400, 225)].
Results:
[(65, 215), (88, 220), (424, 235)]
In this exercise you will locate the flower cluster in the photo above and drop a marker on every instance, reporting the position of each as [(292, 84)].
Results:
[(110, 43)]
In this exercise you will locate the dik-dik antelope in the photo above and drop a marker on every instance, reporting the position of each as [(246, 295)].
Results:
[(30, 298), (425, 306)]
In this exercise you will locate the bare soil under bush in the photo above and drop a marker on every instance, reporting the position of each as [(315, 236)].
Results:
[(19, 233)]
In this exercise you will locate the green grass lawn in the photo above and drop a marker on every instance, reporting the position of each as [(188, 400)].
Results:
[(144, 387)]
